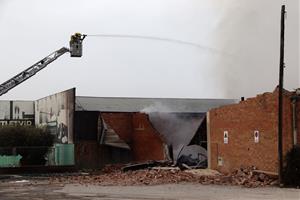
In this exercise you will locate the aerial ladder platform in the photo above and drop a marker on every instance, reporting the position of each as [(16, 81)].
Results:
[(75, 50)]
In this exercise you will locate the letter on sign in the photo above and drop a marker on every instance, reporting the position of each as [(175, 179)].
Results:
[(256, 136), (225, 137)]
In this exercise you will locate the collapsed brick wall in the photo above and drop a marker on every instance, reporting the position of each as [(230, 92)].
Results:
[(147, 144), (241, 120), (137, 131), (121, 123)]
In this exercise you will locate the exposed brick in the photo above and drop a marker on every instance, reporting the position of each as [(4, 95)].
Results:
[(146, 142), (136, 129), (241, 120), (121, 123)]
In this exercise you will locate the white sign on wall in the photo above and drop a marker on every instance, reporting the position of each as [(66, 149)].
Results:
[(225, 137), (256, 136)]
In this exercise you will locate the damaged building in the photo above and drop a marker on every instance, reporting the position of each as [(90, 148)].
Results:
[(246, 134), (141, 129), (91, 132), (223, 134)]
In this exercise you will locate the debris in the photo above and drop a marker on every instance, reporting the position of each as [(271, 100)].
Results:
[(184, 161), (166, 168), (115, 175), (139, 166), (185, 166), (272, 174), (136, 177), (194, 156), (251, 177), (203, 172), (112, 168)]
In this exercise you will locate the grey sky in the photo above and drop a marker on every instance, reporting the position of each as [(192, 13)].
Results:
[(245, 33)]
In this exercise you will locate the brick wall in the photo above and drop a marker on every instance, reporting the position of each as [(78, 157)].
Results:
[(241, 120), (121, 123), (146, 141), (137, 131)]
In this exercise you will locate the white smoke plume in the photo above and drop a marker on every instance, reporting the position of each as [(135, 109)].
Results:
[(178, 129), (156, 107)]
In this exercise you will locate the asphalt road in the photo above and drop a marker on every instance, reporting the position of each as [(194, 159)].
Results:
[(39, 190)]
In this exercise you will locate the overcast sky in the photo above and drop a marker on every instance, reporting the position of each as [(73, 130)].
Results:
[(238, 52)]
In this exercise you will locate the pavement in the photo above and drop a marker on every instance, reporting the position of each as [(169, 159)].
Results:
[(43, 189)]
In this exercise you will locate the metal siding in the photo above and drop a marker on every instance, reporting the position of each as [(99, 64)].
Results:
[(106, 104)]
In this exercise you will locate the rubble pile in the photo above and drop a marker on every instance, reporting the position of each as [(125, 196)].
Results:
[(247, 176), (139, 177), (251, 177)]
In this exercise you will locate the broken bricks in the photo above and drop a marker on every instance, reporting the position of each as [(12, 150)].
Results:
[(246, 176)]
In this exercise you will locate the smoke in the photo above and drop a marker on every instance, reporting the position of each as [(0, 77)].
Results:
[(156, 107), (250, 29), (247, 29), (178, 129)]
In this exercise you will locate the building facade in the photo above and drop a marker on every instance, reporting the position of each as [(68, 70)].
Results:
[(246, 134)]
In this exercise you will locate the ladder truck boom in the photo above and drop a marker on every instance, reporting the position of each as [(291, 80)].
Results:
[(75, 51), (31, 71)]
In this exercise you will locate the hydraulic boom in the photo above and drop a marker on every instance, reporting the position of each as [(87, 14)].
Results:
[(75, 51)]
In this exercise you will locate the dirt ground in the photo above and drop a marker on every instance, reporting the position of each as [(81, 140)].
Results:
[(41, 189)]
